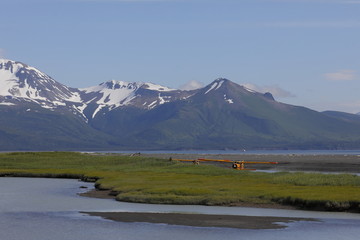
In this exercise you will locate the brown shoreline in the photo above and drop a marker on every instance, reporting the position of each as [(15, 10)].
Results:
[(200, 220)]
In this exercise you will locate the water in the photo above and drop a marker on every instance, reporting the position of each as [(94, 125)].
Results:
[(235, 152), (32, 208)]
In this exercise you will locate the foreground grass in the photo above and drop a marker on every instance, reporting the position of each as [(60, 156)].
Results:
[(147, 180)]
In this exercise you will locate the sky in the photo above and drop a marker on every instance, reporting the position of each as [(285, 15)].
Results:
[(305, 52)]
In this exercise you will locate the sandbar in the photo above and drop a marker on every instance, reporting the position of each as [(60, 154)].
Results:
[(200, 220)]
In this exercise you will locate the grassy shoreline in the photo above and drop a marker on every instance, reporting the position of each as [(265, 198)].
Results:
[(154, 180)]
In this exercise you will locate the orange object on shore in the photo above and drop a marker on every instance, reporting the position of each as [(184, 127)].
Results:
[(237, 165)]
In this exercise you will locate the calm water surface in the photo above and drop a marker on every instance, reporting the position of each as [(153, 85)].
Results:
[(32, 208), (235, 152)]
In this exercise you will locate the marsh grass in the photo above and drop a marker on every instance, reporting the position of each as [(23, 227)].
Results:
[(149, 180), (316, 179)]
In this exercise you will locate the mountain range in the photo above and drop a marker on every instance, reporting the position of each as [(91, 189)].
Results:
[(39, 113)]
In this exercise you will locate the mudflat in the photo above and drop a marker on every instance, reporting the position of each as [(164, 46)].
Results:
[(287, 162), (200, 220)]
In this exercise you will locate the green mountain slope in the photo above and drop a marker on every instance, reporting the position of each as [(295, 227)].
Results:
[(222, 115), (230, 116), (30, 127)]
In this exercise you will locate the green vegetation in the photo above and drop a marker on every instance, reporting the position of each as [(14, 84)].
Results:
[(149, 180), (29, 126)]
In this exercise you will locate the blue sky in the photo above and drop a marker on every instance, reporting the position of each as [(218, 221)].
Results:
[(306, 52)]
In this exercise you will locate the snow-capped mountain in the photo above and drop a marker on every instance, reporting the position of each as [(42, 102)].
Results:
[(19, 81), (113, 94), (38, 113), (118, 93)]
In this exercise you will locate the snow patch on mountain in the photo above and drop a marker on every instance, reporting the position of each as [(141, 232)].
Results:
[(152, 105), (216, 85), (101, 106), (219, 84), (156, 87), (7, 104), (114, 93), (8, 77), (249, 90), (212, 87), (164, 99), (229, 100)]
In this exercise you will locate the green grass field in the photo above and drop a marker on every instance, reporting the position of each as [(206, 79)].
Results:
[(149, 180)]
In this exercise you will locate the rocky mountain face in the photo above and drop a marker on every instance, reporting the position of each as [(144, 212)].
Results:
[(116, 94), (20, 82), (38, 113)]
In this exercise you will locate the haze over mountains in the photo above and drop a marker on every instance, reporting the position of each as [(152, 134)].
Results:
[(38, 113)]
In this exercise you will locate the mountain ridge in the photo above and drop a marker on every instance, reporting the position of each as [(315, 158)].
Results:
[(21, 81), (140, 115)]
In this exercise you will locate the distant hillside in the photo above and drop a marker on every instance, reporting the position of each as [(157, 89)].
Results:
[(30, 127), (38, 113), (344, 116), (225, 115)]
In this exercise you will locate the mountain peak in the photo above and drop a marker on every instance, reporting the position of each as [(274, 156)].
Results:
[(112, 94), (4, 61), (18, 80), (14, 66), (113, 84), (9, 68), (118, 85), (269, 96), (216, 84), (221, 79)]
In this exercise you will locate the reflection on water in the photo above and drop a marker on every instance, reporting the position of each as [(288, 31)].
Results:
[(48, 209)]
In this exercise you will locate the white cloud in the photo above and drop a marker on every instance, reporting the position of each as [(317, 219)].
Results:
[(191, 85), (342, 75), (275, 90)]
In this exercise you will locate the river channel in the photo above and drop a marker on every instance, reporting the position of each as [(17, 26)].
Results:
[(35, 208)]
